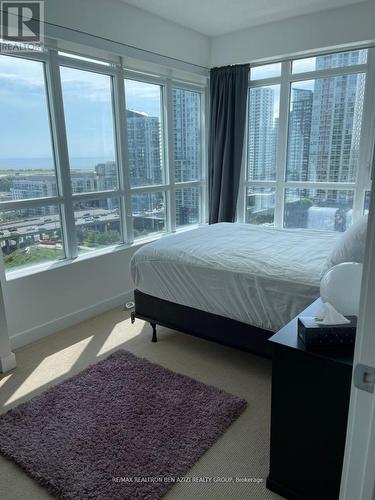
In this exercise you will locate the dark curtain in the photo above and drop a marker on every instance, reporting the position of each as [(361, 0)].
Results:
[(228, 95)]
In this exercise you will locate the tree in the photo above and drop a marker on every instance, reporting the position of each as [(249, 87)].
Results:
[(5, 184)]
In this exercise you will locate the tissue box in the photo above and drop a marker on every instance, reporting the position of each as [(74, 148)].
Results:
[(313, 334)]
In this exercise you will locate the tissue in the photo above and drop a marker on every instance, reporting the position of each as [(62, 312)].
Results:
[(327, 315)]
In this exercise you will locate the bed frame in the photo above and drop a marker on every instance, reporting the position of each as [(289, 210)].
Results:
[(200, 324)]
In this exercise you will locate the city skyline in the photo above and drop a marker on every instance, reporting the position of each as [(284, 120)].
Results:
[(324, 129), (97, 221)]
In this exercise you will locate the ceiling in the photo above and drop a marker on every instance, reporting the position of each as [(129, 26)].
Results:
[(216, 17)]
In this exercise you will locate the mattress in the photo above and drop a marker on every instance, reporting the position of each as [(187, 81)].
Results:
[(257, 275)]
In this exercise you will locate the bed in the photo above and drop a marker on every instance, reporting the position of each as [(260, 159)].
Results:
[(233, 283)]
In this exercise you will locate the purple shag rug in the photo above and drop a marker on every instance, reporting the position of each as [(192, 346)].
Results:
[(124, 428)]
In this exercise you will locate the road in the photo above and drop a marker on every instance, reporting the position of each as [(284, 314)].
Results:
[(38, 225)]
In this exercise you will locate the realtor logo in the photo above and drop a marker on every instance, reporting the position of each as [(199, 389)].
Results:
[(22, 25)]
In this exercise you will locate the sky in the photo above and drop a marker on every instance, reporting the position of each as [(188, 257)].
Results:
[(87, 106)]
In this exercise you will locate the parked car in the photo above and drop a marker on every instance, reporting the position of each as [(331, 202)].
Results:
[(47, 242)]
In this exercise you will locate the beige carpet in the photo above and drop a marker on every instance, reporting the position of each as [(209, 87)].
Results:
[(242, 452)]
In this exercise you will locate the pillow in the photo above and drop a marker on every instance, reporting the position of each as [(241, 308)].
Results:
[(350, 247)]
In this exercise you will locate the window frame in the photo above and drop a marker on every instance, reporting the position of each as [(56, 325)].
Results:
[(65, 199), (170, 185), (281, 184)]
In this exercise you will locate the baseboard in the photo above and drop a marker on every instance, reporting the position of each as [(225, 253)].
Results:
[(31, 335)]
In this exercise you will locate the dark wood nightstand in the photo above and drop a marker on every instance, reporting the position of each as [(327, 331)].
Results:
[(310, 402)]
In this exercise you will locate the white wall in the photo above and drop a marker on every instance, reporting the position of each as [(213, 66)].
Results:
[(331, 28), (45, 302), (119, 22)]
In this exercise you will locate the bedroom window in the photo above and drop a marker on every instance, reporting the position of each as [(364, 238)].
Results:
[(263, 112), (187, 156), (308, 152), (30, 217), (88, 109), (145, 133), (93, 156), (165, 172)]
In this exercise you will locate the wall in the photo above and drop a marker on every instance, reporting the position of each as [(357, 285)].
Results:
[(119, 22), (45, 302), (331, 28)]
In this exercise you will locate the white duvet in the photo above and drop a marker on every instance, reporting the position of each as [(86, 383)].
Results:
[(253, 274)]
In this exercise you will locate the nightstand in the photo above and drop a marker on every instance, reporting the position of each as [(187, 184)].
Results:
[(309, 412)]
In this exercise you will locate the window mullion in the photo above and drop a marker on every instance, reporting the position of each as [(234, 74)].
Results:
[(30, 203), (367, 138), (61, 152), (92, 195), (281, 156), (168, 140), (204, 117), (242, 197), (122, 155)]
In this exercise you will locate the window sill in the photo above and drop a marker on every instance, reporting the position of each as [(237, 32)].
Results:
[(51, 266)]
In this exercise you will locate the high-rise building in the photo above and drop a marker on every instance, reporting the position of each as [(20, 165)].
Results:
[(187, 153), (144, 149), (144, 156), (186, 130), (262, 134), (299, 134), (335, 124)]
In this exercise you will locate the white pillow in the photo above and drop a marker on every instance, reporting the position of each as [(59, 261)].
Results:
[(350, 247)]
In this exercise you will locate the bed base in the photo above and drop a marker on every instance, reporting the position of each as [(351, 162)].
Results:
[(201, 324)]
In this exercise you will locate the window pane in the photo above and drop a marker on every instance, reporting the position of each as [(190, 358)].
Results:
[(367, 202), (97, 224), (263, 132), (187, 206), (31, 236), (260, 206), (266, 71), (186, 134), (26, 161), (318, 209), (148, 213), (89, 127), (329, 61), (143, 115), (325, 119)]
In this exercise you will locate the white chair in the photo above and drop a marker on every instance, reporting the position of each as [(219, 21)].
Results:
[(7, 357)]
